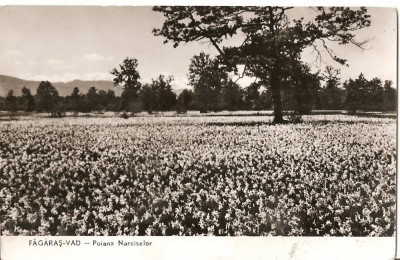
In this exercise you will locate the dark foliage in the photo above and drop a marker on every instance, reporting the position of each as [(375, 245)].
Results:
[(47, 98), (273, 42), (128, 77)]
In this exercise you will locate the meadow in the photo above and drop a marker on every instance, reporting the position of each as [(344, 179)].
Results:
[(332, 175)]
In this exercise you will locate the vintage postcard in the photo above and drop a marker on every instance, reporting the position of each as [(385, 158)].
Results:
[(202, 132)]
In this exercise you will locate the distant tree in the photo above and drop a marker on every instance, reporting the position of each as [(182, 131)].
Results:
[(75, 100), (374, 93), (207, 77), (147, 97), (355, 93), (112, 101), (158, 96), (75, 92), (233, 96), (265, 102), (389, 97), (366, 95), (128, 77), (3, 106), (185, 99), (331, 77), (59, 108), (110, 94), (251, 96), (47, 98), (102, 99), (304, 88), (93, 99), (29, 102), (164, 96), (331, 96), (11, 101), (271, 39)]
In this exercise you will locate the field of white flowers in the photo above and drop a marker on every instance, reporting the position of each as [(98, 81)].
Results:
[(331, 175)]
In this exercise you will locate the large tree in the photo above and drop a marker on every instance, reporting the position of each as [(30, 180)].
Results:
[(128, 77), (271, 40)]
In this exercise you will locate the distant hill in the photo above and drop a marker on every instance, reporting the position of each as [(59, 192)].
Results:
[(64, 88)]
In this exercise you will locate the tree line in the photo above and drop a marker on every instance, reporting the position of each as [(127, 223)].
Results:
[(213, 90)]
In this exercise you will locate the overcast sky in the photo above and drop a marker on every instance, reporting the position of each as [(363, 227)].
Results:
[(65, 43)]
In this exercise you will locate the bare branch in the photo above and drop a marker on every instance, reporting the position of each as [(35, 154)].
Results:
[(242, 75), (319, 56)]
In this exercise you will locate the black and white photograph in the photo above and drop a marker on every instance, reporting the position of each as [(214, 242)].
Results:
[(232, 121)]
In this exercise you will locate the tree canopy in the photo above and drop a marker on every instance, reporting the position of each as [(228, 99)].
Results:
[(29, 103), (46, 97), (158, 95), (207, 78), (128, 77), (271, 40)]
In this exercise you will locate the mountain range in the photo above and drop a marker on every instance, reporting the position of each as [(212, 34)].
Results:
[(8, 83)]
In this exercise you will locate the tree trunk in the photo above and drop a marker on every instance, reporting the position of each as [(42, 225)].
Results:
[(276, 97), (300, 109)]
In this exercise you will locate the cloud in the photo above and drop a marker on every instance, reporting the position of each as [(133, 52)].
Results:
[(68, 76), (24, 62), (180, 82), (64, 67), (54, 62), (94, 57), (244, 81), (14, 53)]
